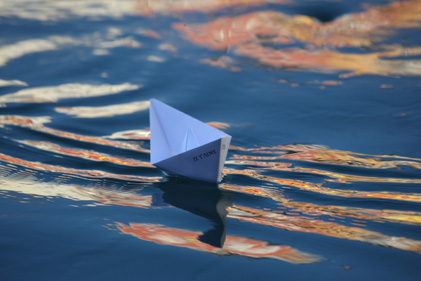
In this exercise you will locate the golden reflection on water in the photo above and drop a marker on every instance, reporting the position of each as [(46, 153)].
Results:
[(250, 35), (264, 164), (37, 124), (85, 154), (165, 7), (265, 36), (233, 245), (295, 223), (406, 217)]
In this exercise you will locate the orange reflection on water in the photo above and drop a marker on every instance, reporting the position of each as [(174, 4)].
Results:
[(322, 227), (85, 154), (334, 177), (328, 61), (303, 153), (326, 156), (307, 152), (407, 217), (72, 171), (262, 164), (24, 183), (152, 7), (318, 188), (345, 178), (336, 157), (37, 124), (219, 125), (233, 245), (248, 35), (275, 27), (292, 221), (122, 199), (320, 154)]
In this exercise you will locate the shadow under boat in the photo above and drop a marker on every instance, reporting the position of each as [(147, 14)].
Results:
[(199, 198)]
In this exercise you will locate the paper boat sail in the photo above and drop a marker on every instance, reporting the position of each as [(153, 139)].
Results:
[(185, 146)]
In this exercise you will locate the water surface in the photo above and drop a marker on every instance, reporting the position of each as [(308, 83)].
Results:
[(322, 181)]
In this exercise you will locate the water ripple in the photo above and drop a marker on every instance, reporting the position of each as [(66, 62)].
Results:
[(24, 176)]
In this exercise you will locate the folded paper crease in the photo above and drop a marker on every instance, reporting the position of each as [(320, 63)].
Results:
[(183, 145)]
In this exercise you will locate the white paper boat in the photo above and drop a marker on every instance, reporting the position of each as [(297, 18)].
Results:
[(185, 146)]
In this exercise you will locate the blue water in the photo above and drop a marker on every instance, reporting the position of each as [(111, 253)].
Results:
[(322, 180)]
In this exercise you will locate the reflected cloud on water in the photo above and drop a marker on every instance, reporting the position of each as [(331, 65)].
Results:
[(104, 111), (65, 91), (166, 7), (44, 10), (269, 37), (350, 43), (233, 246), (100, 42)]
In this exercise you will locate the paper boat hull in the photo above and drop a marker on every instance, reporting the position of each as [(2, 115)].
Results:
[(202, 163), (185, 146)]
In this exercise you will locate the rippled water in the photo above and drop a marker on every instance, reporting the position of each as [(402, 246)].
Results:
[(322, 180)]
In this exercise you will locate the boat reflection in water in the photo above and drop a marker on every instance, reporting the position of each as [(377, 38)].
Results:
[(233, 246), (209, 201), (200, 198)]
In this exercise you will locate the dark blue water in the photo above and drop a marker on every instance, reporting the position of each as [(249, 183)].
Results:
[(322, 100)]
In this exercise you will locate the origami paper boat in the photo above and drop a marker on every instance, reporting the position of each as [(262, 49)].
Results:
[(182, 145)]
